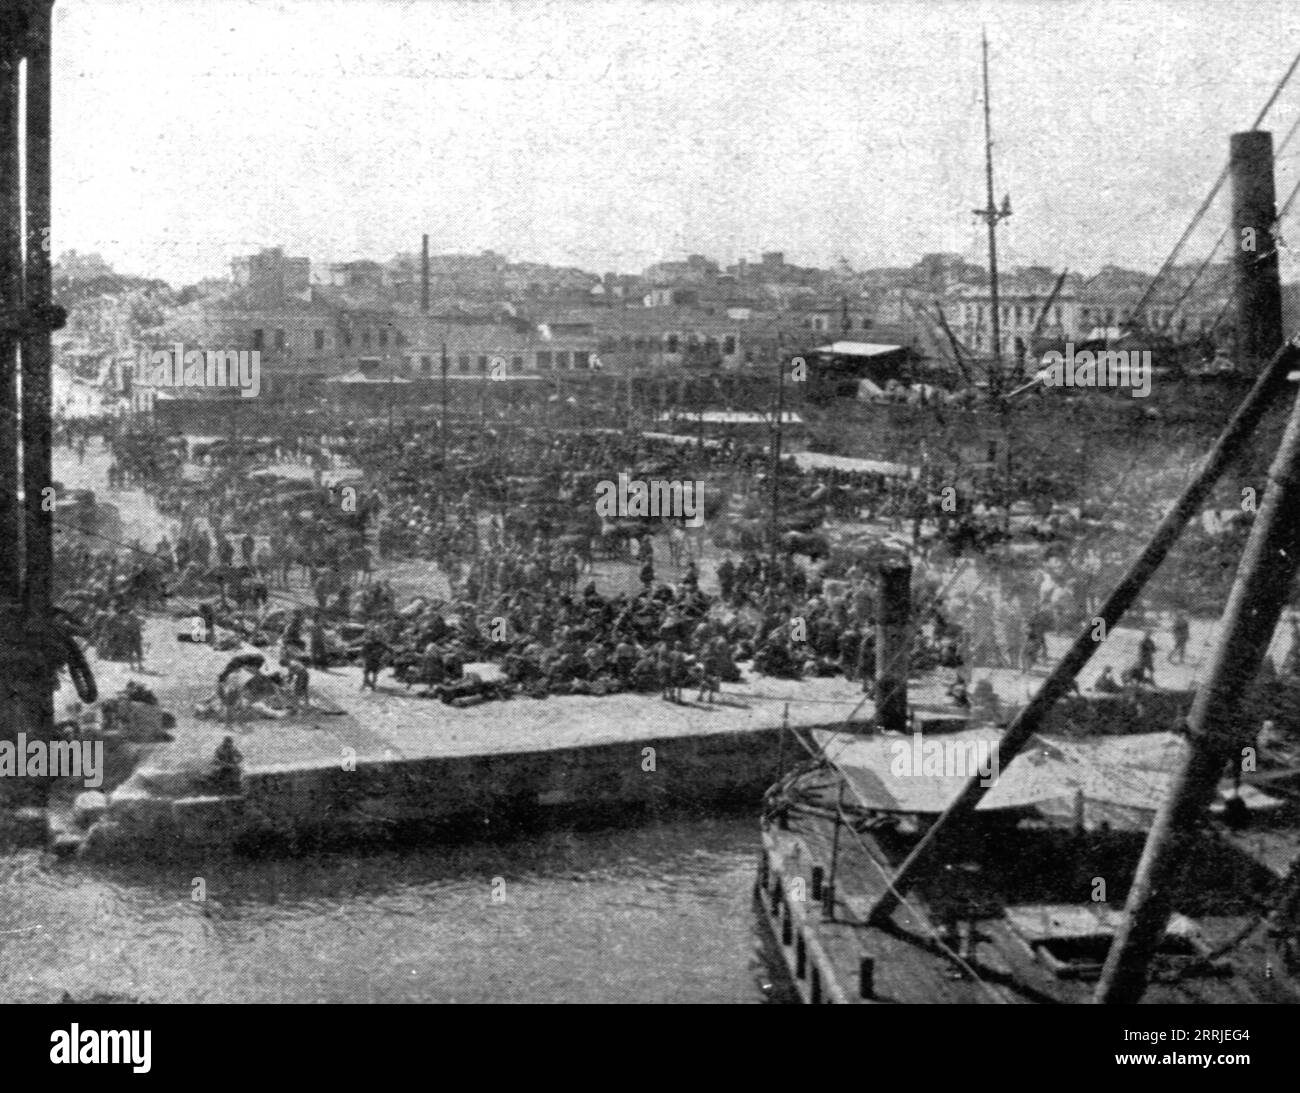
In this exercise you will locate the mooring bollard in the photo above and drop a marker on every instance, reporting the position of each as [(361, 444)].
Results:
[(867, 977)]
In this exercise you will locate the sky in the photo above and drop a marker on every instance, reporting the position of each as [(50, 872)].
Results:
[(610, 135)]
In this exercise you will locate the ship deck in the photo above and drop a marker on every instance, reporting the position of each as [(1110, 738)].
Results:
[(915, 960)]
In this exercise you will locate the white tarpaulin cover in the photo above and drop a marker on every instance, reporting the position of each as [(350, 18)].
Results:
[(894, 772), (361, 377), (730, 417), (821, 461), (858, 349)]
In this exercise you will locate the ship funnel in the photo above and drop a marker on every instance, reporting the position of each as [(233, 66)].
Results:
[(1257, 289), (893, 645)]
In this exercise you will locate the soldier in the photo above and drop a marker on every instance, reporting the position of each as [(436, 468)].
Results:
[(726, 577), (679, 674), (202, 549), (317, 644), (718, 662), (663, 672), (374, 650), (625, 660), (432, 672), (595, 660), (227, 766), (848, 646), (1035, 640), (1106, 682), (708, 682), (298, 680), (1181, 630), (867, 659), (1146, 663), (131, 631)]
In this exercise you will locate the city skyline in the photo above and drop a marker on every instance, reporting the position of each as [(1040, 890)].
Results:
[(84, 265), (609, 138)]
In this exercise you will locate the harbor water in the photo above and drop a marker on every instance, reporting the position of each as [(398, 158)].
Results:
[(664, 911)]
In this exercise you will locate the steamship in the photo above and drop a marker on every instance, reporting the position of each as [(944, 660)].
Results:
[(1095, 859)]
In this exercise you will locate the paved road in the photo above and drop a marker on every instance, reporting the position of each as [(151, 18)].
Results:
[(141, 519)]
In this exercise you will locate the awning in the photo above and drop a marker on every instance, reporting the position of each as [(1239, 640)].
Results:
[(678, 438), (730, 417), (361, 377), (858, 349), (923, 773), (820, 461)]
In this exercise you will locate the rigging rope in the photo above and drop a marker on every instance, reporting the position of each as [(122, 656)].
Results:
[(1214, 191)]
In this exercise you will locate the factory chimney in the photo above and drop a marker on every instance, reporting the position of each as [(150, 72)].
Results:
[(424, 274)]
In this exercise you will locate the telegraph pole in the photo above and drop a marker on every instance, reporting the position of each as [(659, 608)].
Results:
[(776, 447), (443, 366)]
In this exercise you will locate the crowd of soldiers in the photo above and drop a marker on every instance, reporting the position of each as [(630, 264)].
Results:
[(518, 574), (503, 518)]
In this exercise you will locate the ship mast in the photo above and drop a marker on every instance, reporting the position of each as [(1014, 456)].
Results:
[(991, 214)]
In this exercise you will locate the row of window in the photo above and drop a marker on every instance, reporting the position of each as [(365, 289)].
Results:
[(1016, 315), (1013, 345), (463, 363), (399, 339), (367, 338), (1100, 316), (1160, 316), (562, 359), (823, 323), (1013, 314), (670, 343)]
